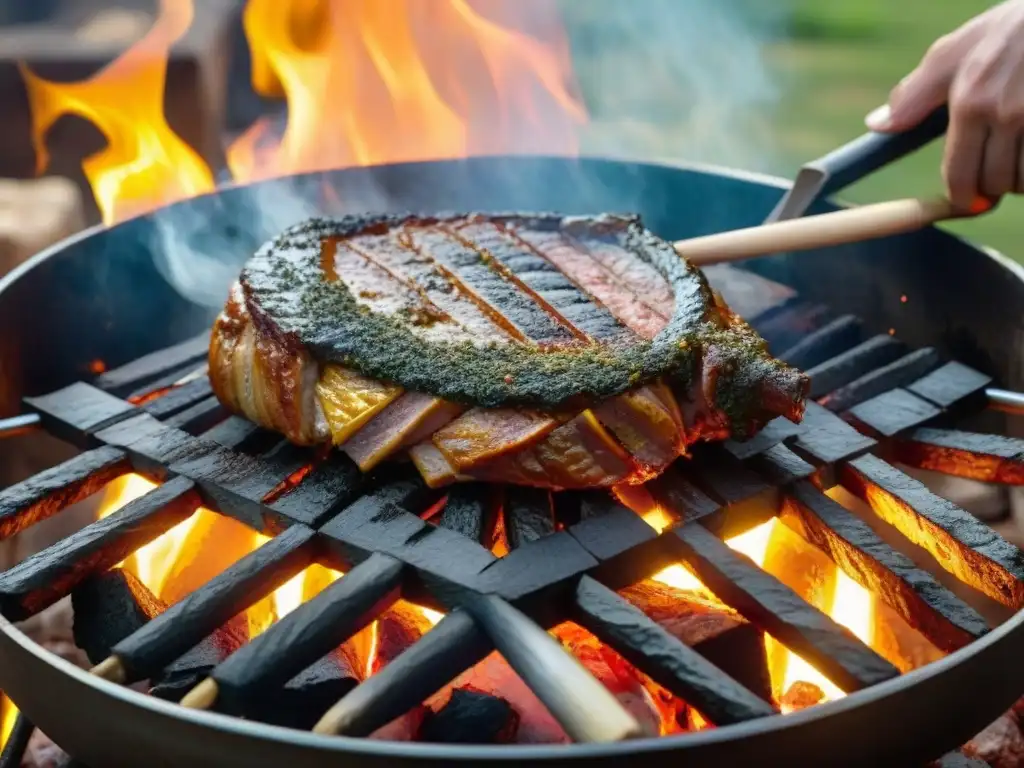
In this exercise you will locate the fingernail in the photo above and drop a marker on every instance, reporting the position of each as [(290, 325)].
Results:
[(879, 119)]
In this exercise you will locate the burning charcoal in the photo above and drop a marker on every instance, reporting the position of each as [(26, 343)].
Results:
[(714, 630), (621, 678), (801, 695), (471, 717), (528, 515), (398, 628), (187, 672), (1001, 744), (309, 694), (495, 677), (404, 728), (108, 607)]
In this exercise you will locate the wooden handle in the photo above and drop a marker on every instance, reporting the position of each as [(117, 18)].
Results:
[(848, 226)]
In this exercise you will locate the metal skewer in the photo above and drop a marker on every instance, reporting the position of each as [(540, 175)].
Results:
[(19, 425)]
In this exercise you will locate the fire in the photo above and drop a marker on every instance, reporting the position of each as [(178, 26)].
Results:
[(197, 549), (8, 716), (369, 82), (849, 604), (364, 83), (145, 164)]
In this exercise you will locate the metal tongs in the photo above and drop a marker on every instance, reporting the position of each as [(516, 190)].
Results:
[(785, 230)]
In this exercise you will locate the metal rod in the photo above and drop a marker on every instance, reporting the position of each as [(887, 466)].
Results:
[(19, 425), (1005, 400)]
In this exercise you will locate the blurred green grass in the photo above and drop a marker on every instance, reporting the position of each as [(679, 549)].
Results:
[(832, 62)]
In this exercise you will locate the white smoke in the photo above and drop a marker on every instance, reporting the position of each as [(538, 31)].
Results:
[(678, 79), (662, 80)]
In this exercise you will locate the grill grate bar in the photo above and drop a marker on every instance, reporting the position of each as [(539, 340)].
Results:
[(665, 659), (129, 378), (958, 541), (770, 604), (440, 656), (854, 363), (587, 710), (307, 633), (39, 497), (986, 458), (48, 576), (898, 373), (171, 634), (916, 596), (372, 525)]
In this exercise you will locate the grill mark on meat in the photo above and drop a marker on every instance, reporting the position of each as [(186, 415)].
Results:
[(378, 290), (647, 284), (506, 302), (550, 288), (597, 280), (394, 254)]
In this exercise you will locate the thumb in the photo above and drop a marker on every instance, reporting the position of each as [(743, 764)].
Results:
[(927, 87), (916, 97)]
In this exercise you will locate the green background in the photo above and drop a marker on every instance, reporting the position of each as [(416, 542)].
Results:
[(763, 85)]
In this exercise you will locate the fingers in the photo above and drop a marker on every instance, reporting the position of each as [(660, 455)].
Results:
[(999, 168), (965, 152), (927, 87)]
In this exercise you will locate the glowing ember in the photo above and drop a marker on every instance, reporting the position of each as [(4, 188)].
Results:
[(145, 163)]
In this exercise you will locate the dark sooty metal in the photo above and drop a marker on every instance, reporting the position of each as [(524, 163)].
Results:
[(115, 306)]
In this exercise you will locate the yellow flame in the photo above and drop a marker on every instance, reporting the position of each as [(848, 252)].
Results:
[(369, 82), (145, 163), (374, 644), (851, 605), (152, 563), (432, 616), (8, 716)]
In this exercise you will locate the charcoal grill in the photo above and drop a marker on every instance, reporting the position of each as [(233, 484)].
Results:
[(99, 296)]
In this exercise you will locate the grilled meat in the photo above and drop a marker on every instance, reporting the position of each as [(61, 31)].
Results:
[(533, 349)]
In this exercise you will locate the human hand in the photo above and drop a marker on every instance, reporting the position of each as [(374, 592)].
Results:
[(979, 71)]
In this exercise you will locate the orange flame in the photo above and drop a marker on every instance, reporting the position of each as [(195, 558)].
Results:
[(365, 82), (145, 163), (8, 717), (369, 82), (850, 605)]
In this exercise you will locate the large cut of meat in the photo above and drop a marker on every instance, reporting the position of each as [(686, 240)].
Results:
[(561, 352)]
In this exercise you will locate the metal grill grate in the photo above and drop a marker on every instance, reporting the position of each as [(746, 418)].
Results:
[(566, 561)]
